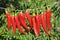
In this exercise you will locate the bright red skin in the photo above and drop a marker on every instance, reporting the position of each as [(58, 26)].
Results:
[(18, 25), (44, 24), (29, 19), (13, 24), (38, 24), (8, 20), (22, 21), (34, 26), (48, 16)]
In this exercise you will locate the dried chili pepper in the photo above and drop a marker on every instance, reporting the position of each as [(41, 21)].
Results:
[(13, 24), (29, 19), (8, 20), (44, 24), (22, 21), (48, 16), (18, 25)]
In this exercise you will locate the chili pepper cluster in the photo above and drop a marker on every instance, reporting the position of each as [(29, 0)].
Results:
[(35, 22)]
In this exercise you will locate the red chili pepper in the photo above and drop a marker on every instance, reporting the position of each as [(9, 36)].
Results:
[(43, 24), (48, 16), (22, 21), (13, 24), (8, 20), (29, 19), (18, 25), (34, 26), (38, 23)]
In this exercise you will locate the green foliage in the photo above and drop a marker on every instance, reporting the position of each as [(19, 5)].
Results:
[(38, 5)]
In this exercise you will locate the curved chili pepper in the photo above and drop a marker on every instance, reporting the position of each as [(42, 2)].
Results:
[(29, 19), (43, 24), (48, 16), (18, 25), (13, 24), (22, 21), (34, 26), (8, 20), (38, 23)]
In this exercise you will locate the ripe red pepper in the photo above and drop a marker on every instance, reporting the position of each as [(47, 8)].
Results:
[(13, 24), (34, 26), (22, 21), (48, 16), (38, 24), (18, 25), (29, 19), (44, 24), (8, 20)]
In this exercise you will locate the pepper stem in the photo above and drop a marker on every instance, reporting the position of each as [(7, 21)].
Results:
[(21, 12), (7, 10), (41, 11), (48, 7), (27, 10), (33, 13), (37, 13)]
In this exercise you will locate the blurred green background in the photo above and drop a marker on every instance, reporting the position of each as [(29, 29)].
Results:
[(43, 5)]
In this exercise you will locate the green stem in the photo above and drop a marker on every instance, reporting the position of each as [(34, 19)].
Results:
[(20, 12), (7, 10), (33, 14), (48, 8), (37, 13), (27, 10)]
